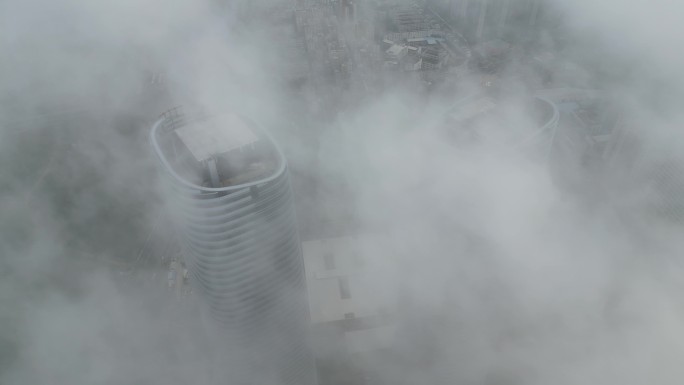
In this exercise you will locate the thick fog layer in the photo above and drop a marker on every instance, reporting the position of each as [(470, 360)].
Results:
[(503, 267)]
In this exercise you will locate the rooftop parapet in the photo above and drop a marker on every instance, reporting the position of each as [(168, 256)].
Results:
[(218, 153)]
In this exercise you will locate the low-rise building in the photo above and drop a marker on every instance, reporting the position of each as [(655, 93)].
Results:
[(349, 312), (425, 50)]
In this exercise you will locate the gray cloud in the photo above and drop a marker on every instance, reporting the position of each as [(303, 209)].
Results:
[(502, 275)]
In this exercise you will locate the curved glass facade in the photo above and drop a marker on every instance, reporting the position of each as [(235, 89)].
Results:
[(244, 257)]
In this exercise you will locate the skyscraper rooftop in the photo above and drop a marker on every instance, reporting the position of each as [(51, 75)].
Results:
[(210, 138), (484, 118), (215, 153)]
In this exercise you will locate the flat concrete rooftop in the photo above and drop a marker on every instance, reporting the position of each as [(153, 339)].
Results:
[(217, 152)]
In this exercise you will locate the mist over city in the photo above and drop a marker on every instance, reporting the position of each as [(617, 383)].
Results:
[(341, 192)]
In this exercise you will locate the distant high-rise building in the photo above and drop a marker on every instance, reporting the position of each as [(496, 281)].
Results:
[(231, 199), (488, 19), (525, 123)]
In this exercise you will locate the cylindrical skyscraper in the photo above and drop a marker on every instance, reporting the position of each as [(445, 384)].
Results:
[(527, 123), (232, 205)]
